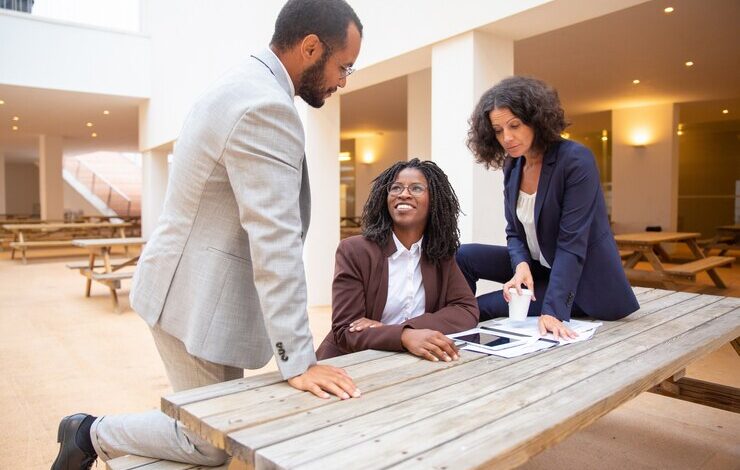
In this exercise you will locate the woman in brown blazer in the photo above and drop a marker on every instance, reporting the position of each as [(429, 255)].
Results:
[(410, 237)]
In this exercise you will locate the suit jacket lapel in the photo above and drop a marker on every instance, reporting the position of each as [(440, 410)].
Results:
[(545, 175), (515, 180), (382, 293), (429, 281)]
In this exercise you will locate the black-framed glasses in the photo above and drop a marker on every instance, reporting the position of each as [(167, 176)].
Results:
[(415, 189), (346, 70)]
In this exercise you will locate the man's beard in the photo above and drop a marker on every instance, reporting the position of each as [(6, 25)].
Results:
[(311, 87)]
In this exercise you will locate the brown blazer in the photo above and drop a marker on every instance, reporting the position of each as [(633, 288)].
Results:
[(360, 289)]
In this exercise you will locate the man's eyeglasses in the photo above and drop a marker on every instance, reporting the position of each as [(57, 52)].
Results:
[(346, 70), (415, 189)]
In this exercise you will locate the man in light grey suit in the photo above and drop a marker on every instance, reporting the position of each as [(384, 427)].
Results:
[(221, 281)]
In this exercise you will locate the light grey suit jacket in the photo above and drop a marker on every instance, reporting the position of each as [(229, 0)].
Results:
[(223, 270)]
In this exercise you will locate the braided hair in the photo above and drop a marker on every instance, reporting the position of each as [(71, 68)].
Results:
[(441, 235)]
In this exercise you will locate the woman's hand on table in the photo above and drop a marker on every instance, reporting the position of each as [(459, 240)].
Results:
[(523, 275), (429, 344), (320, 379), (550, 324), (362, 323)]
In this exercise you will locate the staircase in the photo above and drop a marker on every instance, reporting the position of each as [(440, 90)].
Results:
[(110, 181)]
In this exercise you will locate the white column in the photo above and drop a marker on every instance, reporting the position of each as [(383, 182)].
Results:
[(154, 172), (644, 168), (51, 183), (419, 114), (3, 207), (463, 68), (322, 155)]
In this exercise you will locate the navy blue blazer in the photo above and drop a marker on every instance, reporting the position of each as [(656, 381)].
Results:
[(573, 233)]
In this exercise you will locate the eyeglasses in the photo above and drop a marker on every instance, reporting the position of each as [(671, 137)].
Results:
[(346, 70), (415, 189)]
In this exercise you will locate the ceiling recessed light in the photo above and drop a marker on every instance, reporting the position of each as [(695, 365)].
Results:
[(725, 111), (106, 112), (16, 118), (89, 124), (668, 9), (689, 63), (15, 128), (2, 102), (635, 81), (94, 134)]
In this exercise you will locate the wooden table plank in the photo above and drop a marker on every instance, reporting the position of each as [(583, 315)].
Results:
[(108, 242), (654, 238), (435, 394), (525, 405), (277, 429), (560, 414), (171, 404)]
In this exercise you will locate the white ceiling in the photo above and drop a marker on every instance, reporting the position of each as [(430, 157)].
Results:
[(65, 113), (592, 65)]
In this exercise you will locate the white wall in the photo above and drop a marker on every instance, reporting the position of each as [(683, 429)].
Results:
[(52, 54), (384, 150), (644, 179), (74, 202), (419, 114)]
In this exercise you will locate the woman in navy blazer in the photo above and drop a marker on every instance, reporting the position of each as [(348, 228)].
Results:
[(559, 243)]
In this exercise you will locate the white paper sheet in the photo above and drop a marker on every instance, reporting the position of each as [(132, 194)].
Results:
[(529, 327)]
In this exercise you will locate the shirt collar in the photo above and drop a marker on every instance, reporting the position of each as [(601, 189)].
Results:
[(285, 71), (400, 249)]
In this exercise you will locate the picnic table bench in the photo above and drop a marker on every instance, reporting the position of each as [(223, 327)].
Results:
[(478, 411), (53, 235), (648, 245), (727, 238), (110, 275)]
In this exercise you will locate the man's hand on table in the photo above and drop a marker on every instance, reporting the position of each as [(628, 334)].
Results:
[(320, 379)]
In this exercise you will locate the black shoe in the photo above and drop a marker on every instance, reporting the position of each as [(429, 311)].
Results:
[(71, 455)]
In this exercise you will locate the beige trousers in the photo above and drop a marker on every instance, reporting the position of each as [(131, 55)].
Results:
[(154, 434)]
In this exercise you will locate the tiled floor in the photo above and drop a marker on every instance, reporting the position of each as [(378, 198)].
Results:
[(61, 353)]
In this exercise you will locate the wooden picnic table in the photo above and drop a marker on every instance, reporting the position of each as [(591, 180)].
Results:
[(727, 238), (648, 245), (478, 411), (48, 235), (109, 275)]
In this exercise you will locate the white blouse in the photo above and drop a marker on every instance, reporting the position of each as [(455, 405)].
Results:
[(525, 214), (406, 296)]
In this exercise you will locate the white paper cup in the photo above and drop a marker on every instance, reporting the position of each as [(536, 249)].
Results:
[(519, 304)]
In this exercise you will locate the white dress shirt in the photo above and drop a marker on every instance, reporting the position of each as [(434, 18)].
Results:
[(406, 297), (525, 214)]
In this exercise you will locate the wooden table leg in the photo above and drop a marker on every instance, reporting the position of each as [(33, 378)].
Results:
[(633, 260), (662, 254), (736, 344), (713, 274), (108, 270), (658, 267), (90, 268)]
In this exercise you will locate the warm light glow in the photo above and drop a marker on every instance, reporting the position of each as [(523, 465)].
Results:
[(344, 156), (15, 128), (604, 135), (680, 129), (725, 111), (94, 134), (689, 63), (16, 118), (368, 157), (2, 102), (565, 135), (106, 112), (635, 81), (679, 133), (89, 124), (640, 137), (668, 9)]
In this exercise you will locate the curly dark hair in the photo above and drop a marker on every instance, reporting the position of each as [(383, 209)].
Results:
[(441, 235), (328, 19), (531, 100)]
